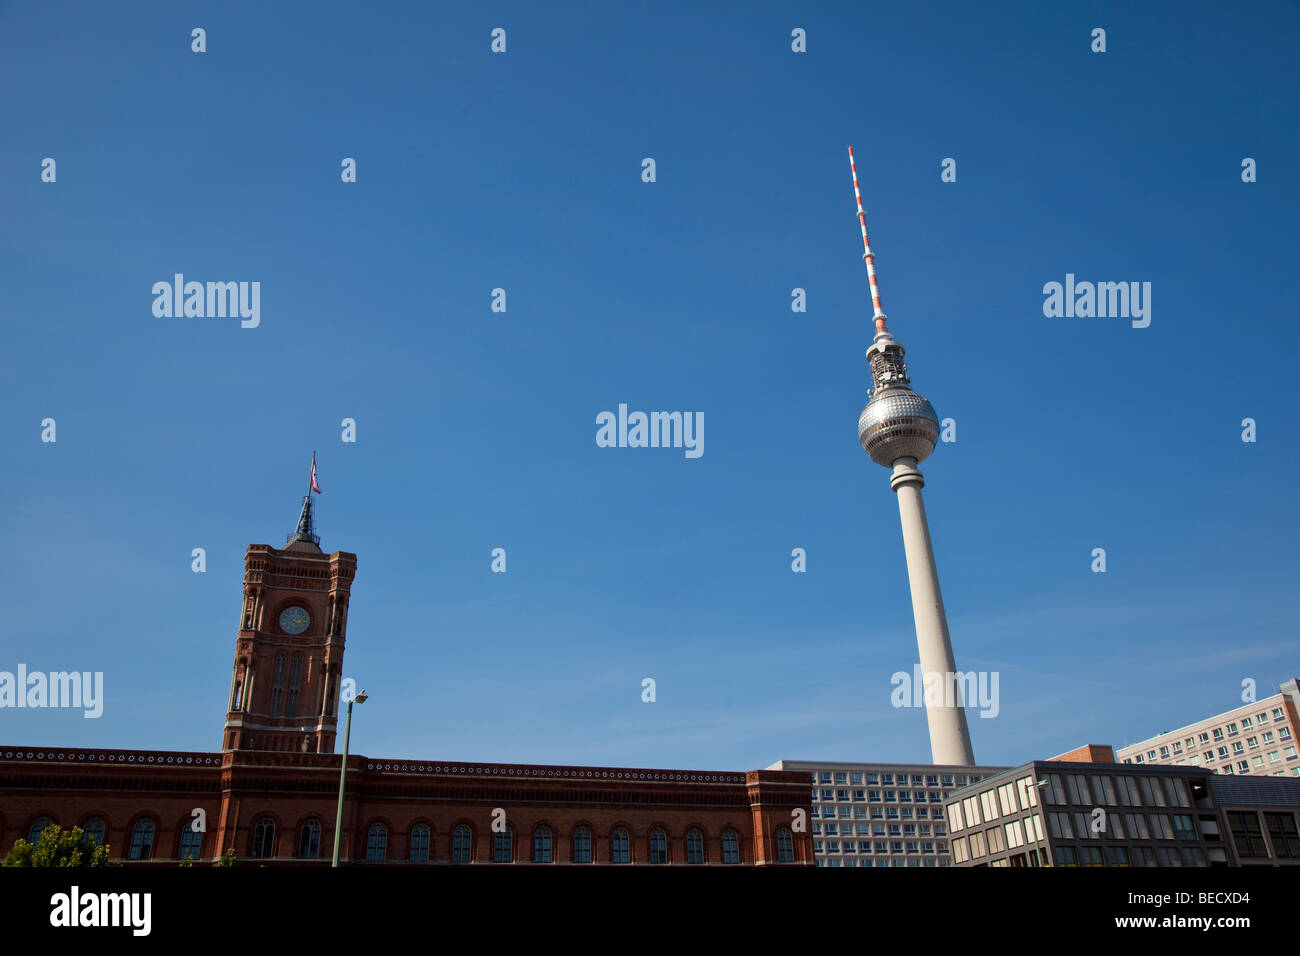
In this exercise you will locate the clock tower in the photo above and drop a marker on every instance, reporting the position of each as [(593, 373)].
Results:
[(284, 693)]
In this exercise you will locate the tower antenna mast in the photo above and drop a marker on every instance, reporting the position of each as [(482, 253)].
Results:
[(868, 256)]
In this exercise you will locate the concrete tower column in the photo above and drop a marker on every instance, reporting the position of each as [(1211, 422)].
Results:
[(949, 734)]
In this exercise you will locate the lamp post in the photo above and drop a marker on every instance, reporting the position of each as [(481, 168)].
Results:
[(1041, 813), (343, 776)]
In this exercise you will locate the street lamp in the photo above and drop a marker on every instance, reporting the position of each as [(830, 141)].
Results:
[(1041, 813), (343, 776)]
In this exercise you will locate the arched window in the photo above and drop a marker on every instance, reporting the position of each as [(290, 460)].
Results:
[(263, 846), (295, 679), (309, 840), (141, 847), (620, 851), (542, 845), (730, 846), (191, 844), (38, 827), (93, 830), (277, 684), (582, 845), (502, 847), (658, 846), (694, 846), (419, 844), (784, 846), (460, 844), (377, 843)]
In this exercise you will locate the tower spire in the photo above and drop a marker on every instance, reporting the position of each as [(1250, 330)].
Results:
[(868, 256), (306, 530)]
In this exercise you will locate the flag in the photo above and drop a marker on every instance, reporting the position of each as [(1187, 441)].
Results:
[(314, 487)]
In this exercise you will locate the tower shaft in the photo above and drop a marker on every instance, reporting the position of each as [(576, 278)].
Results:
[(949, 734)]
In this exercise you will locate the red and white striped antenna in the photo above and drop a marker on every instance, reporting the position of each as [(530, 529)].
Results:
[(868, 256)]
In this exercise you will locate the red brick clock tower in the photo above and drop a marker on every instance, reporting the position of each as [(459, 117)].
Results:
[(284, 694)]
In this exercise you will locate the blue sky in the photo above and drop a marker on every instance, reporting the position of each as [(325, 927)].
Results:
[(476, 429)]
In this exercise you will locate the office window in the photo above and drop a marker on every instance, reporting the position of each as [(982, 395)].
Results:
[(1015, 835), (895, 830), (503, 847), (1184, 829), (842, 795), (309, 840), (887, 779), (37, 828), (1058, 825), (833, 846), (1243, 766), (855, 779), (859, 795), (891, 813), (1152, 793), (542, 845), (1238, 747), (93, 830), (996, 839), (841, 777), (826, 776), (828, 795), (730, 847), (1245, 723), (1116, 856), (872, 779), (989, 805), (1194, 856), (1160, 828), (1277, 713), (620, 846), (1247, 835), (1218, 733), (1232, 729), (1252, 742), (582, 845), (419, 844), (1054, 792), (191, 842), (947, 779), (1223, 753), (1178, 748), (971, 812), (1204, 737), (955, 819), (960, 854), (263, 845), (1065, 856), (460, 844), (141, 847), (1283, 833), (831, 829), (978, 845), (1090, 856), (376, 843), (785, 846)]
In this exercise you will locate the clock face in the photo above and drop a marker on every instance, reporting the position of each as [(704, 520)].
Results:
[(294, 620)]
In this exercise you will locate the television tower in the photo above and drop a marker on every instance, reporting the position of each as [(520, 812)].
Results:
[(899, 429)]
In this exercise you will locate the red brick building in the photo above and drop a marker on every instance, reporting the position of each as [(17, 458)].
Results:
[(271, 793)]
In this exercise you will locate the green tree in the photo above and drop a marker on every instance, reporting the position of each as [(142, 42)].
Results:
[(227, 858), (59, 847)]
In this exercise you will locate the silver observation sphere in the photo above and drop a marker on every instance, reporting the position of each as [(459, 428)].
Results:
[(897, 423)]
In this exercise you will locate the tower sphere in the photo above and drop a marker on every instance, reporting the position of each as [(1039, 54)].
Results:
[(898, 423)]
